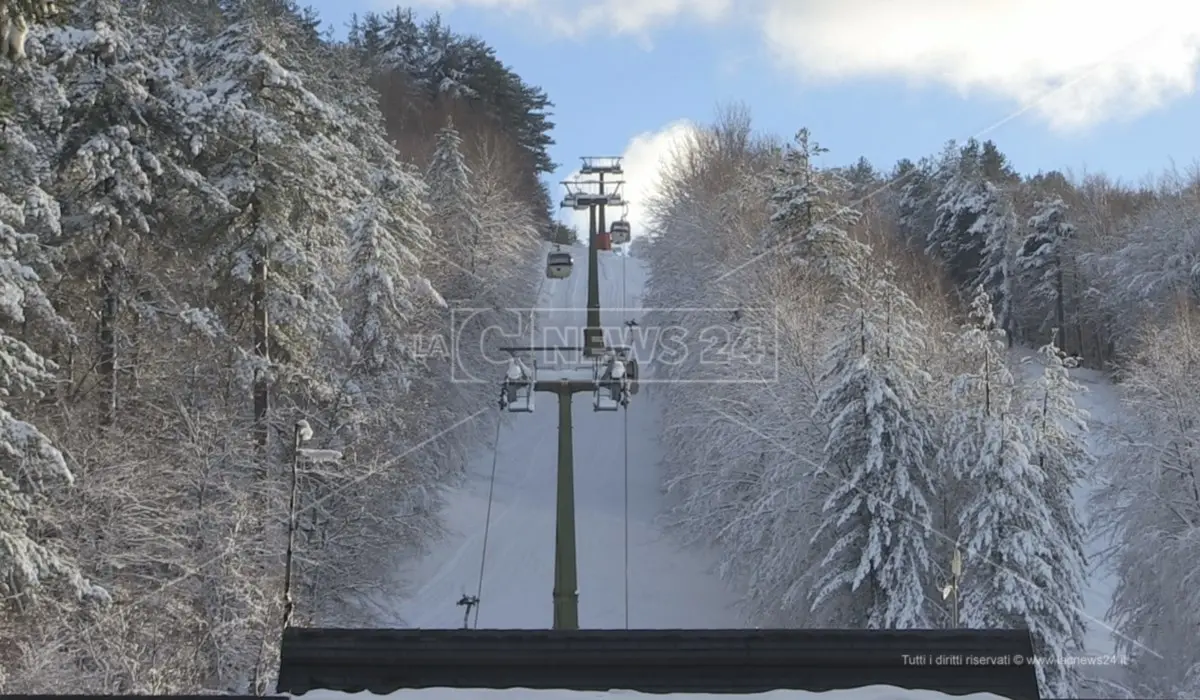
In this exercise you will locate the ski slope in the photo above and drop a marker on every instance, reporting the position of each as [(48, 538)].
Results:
[(1101, 402), (668, 587)]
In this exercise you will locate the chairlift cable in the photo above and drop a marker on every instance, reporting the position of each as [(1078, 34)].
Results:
[(487, 519)]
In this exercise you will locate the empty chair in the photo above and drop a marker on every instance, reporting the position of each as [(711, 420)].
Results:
[(558, 265), (603, 241)]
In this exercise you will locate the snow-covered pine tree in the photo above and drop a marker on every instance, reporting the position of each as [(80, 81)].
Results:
[(283, 164), (915, 207), (353, 523), (386, 287), (996, 226), (30, 463), (280, 154), (115, 150), (454, 215), (1059, 430), (1041, 256), (975, 396), (1149, 509), (879, 457), (388, 234), (1007, 529), (974, 224), (809, 216)]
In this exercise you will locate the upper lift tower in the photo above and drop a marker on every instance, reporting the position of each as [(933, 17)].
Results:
[(593, 193)]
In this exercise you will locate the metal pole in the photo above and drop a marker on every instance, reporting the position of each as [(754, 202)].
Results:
[(566, 580), (288, 556), (593, 335), (956, 565)]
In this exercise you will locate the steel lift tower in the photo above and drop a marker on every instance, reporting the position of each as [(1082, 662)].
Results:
[(594, 196), (606, 372)]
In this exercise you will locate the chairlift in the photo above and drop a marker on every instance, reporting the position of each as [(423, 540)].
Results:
[(612, 383), (516, 392), (558, 265), (620, 233), (625, 354), (603, 241)]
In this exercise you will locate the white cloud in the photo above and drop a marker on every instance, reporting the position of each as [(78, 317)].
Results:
[(1075, 62), (1098, 59), (643, 161)]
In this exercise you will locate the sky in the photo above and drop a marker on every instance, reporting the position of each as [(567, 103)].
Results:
[(1080, 85)]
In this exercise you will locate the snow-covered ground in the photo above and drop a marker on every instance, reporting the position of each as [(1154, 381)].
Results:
[(668, 587)]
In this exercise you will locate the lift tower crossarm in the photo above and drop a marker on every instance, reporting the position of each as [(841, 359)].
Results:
[(596, 165)]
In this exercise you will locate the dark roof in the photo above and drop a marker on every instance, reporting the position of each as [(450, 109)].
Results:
[(957, 662)]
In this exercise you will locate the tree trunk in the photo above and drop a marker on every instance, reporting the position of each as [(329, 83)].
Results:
[(262, 350), (1060, 311), (107, 368)]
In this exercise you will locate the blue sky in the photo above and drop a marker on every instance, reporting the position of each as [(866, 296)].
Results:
[(884, 79)]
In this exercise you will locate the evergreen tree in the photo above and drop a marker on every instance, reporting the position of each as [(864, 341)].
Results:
[(1041, 256), (880, 441), (386, 287), (1059, 429), (971, 235), (454, 211), (1014, 550), (808, 218), (117, 152), (30, 463)]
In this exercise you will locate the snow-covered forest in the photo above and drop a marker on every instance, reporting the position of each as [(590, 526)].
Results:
[(908, 420), (216, 222)]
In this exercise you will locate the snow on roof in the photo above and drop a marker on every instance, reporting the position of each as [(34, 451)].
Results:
[(875, 692)]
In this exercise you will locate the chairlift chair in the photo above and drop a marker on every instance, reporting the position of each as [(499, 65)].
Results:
[(621, 232), (612, 384), (558, 265), (516, 392), (625, 355), (603, 241)]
